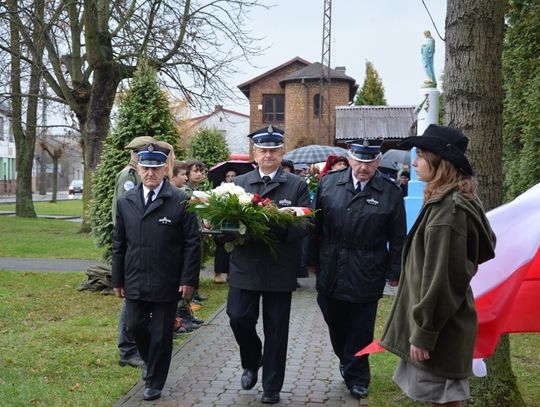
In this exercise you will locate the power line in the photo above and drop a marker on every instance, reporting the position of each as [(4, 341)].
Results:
[(433, 22)]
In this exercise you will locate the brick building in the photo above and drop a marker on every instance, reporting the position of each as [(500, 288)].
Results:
[(288, 97)]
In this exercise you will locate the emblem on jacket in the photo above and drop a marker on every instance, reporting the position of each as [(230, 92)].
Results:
[(129, 185), (164, 220), (372, 201), (284, 202)]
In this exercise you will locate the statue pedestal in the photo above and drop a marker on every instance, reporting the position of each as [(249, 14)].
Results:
[(428, 114)]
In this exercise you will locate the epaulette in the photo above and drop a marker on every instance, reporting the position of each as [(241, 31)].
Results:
[(131, 171)]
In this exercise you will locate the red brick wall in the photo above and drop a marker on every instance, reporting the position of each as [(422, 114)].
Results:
[(301, 125)]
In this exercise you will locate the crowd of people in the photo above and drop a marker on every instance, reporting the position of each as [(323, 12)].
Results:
[(355, 245)]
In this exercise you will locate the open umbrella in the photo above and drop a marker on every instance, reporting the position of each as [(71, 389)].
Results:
[(397, 156), (313, 153), (216, 174)]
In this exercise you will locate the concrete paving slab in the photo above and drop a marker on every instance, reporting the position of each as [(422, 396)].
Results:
[(205, 369)]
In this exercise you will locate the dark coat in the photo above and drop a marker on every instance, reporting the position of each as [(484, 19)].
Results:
[(253, 267), (358, 237), (156, 251)]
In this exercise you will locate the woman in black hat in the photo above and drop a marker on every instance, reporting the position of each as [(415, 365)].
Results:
[(432, 326)]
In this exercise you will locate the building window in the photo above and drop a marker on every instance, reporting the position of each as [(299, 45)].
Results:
[(317, 105), (273, 108)]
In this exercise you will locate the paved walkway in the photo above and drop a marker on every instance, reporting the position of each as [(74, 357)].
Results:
[(205, 369)]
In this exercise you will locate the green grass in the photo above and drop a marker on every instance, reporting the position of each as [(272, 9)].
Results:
[(72, 207), (47, 238), (59, 344), (384, 393)]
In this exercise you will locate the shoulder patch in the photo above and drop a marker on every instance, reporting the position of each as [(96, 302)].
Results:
[(129, 184)]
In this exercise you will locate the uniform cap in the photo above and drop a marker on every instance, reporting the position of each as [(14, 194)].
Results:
[(365, 150), (139, 142), (267, 137), (152, 155)]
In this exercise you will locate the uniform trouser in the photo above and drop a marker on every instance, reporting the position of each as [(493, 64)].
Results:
[(351, 327), (154, 336), (243, 312), (126, 342)]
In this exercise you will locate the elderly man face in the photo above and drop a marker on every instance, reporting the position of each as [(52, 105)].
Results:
[(268, 159), (364, 171), (151, 177)]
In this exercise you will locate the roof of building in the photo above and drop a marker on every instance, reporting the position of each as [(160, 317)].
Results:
[(199, 119), (244, 87), (314, 71), (387, 122)]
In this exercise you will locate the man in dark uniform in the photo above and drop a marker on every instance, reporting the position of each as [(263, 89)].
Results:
[(256, 273), (156, 256), (359, 232), (124, 181)]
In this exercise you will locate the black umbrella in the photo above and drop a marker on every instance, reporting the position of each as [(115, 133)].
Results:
[(216, 174)]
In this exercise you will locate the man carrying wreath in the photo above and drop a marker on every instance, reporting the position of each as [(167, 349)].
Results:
[(256, 273)]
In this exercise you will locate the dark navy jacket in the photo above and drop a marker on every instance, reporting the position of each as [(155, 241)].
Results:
[(358, 236)]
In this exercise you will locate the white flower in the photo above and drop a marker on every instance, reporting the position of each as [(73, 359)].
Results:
[(238, 190), (245, 199), (201, 195)]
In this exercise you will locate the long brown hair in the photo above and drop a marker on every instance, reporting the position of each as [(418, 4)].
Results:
[(444, 176)]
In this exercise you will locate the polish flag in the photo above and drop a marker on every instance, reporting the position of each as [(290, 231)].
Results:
[(506, 288)]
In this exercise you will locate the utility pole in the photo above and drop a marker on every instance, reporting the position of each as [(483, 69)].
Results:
[(324, 88)]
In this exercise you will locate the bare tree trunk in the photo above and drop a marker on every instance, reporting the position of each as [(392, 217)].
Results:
[(96, 128), (55, 180), (24, 138), (473, 103)]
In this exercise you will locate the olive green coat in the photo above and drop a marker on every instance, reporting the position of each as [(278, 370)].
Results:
[(434, 306)]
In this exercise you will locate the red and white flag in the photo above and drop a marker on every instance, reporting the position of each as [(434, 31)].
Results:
[(507, 288)]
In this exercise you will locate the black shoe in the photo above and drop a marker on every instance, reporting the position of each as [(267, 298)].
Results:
[(151, 394), (200, 297), (358, 391), (342, 370), (133, 361), (197, 321), (270, 397), (249, 377)]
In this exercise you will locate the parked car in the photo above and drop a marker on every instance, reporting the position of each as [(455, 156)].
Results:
[(76, 187)]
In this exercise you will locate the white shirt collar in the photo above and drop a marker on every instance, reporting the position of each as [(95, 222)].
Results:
[(356, 181), (271, 175), (156, 191)]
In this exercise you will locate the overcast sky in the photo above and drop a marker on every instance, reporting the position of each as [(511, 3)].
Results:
[(388, 33)]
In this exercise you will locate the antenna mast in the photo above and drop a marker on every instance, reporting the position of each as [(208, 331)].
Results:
[(324, 91)]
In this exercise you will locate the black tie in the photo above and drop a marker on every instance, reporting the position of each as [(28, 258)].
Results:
[(148, 199), (266, 179), (358, 187)]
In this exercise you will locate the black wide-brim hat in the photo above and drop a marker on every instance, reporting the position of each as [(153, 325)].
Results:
[(447, 142)]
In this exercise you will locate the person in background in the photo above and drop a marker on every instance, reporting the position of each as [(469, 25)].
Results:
[(196, 173), (256, 273), (179, 175), (359, 233), (126, 180), (186, 321), (287, 166), (334, 163), (432, 326), (156, 256), (222, 257), (404, 178)]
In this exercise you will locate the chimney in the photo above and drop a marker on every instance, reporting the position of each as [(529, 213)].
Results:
[(340, 69), (217, 108)]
